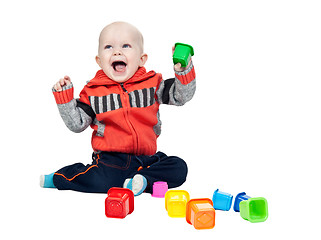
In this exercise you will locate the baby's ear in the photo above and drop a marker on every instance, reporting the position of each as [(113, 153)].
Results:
[(98, 61), (143, 59)]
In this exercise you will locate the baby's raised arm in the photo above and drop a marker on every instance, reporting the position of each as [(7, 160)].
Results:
[(75, 118), (179, 90)]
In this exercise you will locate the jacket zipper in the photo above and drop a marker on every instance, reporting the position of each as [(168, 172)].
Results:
[(123, 88), (126, 105)]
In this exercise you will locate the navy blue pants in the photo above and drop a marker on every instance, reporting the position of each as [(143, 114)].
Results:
[(110, 169)]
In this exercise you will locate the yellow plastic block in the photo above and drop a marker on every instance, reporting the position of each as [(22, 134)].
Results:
[(175, 203)]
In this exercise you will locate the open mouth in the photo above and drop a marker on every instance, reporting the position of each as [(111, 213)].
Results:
[(119, 66)]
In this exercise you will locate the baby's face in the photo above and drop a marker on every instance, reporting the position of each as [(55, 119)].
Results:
[(120, 51)]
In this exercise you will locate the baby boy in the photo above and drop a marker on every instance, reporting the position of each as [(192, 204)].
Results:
[(121, 105)]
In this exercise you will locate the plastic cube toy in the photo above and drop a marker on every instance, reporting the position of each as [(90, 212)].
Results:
[(182, 54), (119, 202), (159, 189), (222, 200), (254, 209), (200, 213), (239, 198), (175, 203)]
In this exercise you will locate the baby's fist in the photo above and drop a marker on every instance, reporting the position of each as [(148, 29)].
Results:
[(61, 83)]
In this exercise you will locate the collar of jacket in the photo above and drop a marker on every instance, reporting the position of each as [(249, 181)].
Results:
[(102, 79)]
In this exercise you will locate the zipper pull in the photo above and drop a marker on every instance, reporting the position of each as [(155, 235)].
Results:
[(122, 86)]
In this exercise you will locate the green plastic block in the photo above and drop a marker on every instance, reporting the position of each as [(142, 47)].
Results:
[(254, 209), (182, 54)]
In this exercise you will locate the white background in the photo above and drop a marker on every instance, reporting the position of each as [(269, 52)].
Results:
[(253, 125)]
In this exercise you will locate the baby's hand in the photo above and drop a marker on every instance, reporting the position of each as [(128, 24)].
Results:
[(61, 83), (178, 67)]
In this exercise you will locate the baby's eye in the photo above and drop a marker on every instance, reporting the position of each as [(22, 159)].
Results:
[(126, 46), (108, 47)]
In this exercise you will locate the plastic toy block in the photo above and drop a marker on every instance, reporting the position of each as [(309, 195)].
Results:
[(159, 189), (254, 209), (175, 203), (182, 54), (200, 213), (119, 202), (239, 198), (222, 200)]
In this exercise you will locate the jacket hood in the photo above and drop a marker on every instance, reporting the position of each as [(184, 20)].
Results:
[(102, 79)]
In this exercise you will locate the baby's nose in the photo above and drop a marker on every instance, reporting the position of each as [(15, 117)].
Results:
[(117, 52)]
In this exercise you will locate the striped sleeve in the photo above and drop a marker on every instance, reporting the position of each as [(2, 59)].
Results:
[(75, 114), (64, 96), (179, 90), (187, 76)]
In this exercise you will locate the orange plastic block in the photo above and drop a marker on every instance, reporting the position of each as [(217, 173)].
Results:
[(200, 213)]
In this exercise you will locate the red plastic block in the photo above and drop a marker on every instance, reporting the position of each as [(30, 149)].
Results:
[(119, 202)]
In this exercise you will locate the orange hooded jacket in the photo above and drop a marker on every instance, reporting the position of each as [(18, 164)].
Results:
[(124, 116)]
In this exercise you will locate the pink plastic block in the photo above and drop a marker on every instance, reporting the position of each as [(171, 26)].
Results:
[(159, 189)]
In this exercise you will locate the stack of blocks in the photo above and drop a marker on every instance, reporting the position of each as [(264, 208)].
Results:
[(199, 212), (251, 209)]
